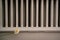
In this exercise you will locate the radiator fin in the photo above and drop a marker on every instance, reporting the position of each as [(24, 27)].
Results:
[(29, 14)]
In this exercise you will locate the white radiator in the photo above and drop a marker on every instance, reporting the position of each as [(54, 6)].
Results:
[(30, 15)]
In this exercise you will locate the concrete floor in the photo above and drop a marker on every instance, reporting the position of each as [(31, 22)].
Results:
[(30, 36)]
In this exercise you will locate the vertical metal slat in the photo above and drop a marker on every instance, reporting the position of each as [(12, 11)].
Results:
[(27, 13), (6, 12), (47, 13), (31, 13), (51, 13), (37, 13), (56, 13), (16, 13), (11, 13), (21, 13), (42, 13)]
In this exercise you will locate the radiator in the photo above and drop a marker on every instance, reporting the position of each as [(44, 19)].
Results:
[(30, 15)]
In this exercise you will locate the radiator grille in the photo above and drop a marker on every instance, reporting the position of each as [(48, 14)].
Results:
[(30, 15)]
